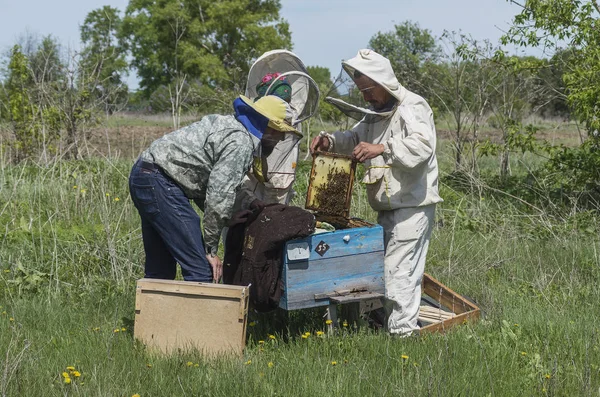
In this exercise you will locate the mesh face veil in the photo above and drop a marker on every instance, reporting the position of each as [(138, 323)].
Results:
[(277, 168)]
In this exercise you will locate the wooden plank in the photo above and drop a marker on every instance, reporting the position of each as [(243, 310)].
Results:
[(447, 297), (191, 287), (355, 297), (171, 316), (342, 292), (444, 325), (361, 240), (332, 316)]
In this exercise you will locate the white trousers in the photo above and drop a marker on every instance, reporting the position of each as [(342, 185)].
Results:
[(406, 235)]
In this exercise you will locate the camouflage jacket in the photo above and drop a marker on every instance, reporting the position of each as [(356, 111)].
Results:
[(208, 160)]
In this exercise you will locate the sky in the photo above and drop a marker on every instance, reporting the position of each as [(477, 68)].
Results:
[(324, 32)]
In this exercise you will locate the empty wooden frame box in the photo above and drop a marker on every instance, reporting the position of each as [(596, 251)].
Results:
[(442, 308), (181, 315)]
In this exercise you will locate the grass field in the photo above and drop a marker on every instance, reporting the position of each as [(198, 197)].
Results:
[(71, 250)]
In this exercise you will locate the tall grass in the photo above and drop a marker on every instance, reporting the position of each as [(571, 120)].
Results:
[(70, 252)]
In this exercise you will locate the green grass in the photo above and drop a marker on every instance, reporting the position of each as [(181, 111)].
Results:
[(70, 254)]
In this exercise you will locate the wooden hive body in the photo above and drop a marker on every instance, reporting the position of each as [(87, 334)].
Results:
[(349, 259), (179, 315)]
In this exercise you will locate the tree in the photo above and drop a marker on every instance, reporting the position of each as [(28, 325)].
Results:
[(33, 124), (322, 76), (45, 63), (549, 24), (407, 48), (454, 85), (103, 51), (212, 41)]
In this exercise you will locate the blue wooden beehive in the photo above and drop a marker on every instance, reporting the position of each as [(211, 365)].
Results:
[(349, 259)]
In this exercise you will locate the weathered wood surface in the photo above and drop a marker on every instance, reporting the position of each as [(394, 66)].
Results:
[(350, 298), (360, 241), (181, 315)]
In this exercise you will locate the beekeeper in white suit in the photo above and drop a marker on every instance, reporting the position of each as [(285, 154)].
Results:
[(396, 141)]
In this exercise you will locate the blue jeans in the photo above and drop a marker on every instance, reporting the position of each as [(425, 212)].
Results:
[(170, 226)]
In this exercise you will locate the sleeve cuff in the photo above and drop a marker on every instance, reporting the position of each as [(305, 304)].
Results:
[(331, 142), (211, 250), (387, 152)]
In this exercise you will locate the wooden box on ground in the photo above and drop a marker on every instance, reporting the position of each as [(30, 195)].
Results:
[(180, 315), (442, 308)]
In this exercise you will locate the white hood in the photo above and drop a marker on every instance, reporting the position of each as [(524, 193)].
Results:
[(379, 69)]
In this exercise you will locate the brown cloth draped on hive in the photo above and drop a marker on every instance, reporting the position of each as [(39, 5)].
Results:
[(254, 251)]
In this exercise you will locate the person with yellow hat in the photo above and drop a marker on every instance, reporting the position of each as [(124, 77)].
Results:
[(205, 162)]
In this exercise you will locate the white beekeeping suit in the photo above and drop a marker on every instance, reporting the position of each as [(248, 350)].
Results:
[(276, 184), (402, 183)]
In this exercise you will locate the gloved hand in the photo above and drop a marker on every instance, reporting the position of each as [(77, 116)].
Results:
[(239, 217)]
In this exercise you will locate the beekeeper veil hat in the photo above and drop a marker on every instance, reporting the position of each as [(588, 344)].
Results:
[(379, 69)]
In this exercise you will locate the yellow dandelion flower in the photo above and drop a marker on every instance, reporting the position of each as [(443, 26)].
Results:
[(107, 194), (516, 325), (345, 323), (260, 342), (261, 350), (189, 363), (76, 374), (248, 362), (252, 323), (4, 313), (70, 368), (304, 336), (6, 270), (307, 333), (96, 329), (334, 363), (83, 191), (11, 319), (272, 337), (136, 395), (123, 329), (404, 357), (74, 186), (68, 381), (547, 376), (523, 353), (149, 365), (196, 365), (270, 364), (320, 333), (328, 322), (117, 199), (116, 330), (65, 375)]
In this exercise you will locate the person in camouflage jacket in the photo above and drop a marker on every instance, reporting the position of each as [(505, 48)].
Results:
[(205, 162)]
